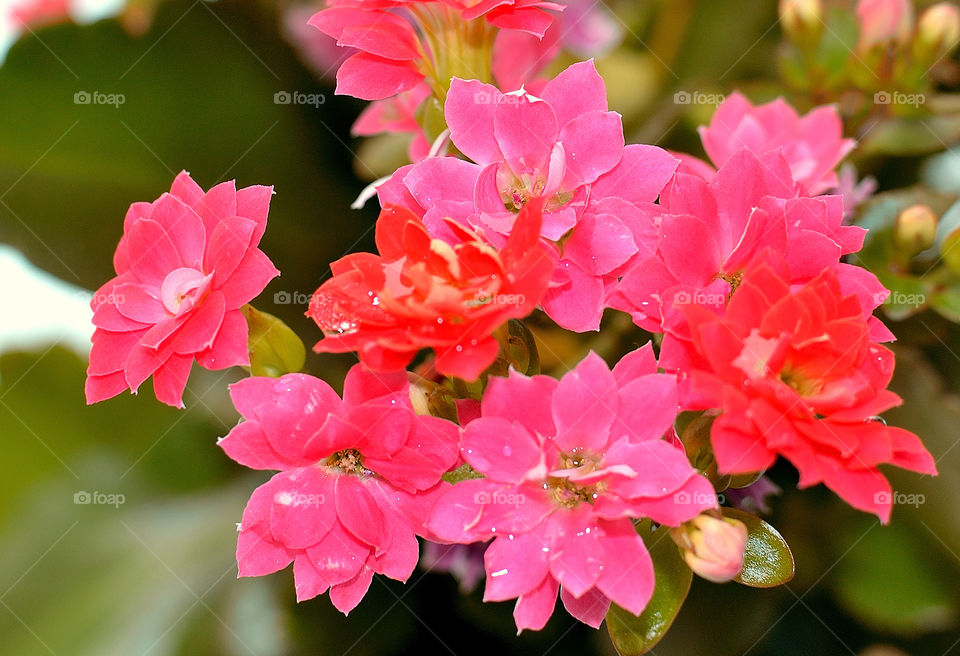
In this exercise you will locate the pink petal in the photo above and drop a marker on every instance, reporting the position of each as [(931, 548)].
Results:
[(339, 556), (627, 576), (257, 556), (574, 92), (100, 388), (200, 330), (247, 445), (576, 558), (438, 179), (347, 595), (526, 130), (183, 226), (170, 380), (254, 203), (359, 512), (640, 176), (152, 253), (600, 243), (577, 304), (534, 609), (584, 405), (636, 363), (590, 609), (218, 204), (109, 351), (250, 277), (523, 399), (302, 509), (516, 565), (186, 189), (307, 580), (683, 234), (229, 346), (228, 244), (369, 77), (466, 362), (593, 144), (648, 407), (362, 384), (503, 450), (469, 110)]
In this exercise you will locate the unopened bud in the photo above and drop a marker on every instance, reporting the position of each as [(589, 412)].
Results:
[(938, 32), (915, 229), (884, 21), (713, 547), (802, 21)]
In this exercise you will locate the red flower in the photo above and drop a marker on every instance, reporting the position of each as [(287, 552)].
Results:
[(421, 292), (795, 374)]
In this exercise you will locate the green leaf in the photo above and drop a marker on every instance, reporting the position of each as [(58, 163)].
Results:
[(911, 136), (275, 350), (768, 561), (633, 635)]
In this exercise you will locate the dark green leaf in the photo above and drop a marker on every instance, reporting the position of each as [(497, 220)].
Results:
[(768, 561)]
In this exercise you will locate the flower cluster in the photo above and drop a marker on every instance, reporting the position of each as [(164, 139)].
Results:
[(762, 327)]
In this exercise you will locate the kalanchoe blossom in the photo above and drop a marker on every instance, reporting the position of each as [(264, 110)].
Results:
[(357, 478), (185, 266), (463, 561), (855, 193), (568, 465), (400, 49), (812, 145), (397, 114), (795, 374), (564, 147), (749, 205), (423, 292)]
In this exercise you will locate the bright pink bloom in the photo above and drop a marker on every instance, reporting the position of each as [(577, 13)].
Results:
[(357, 478), (33, 13), (812, 145), (750, 205), (882, 21), (319, 52), (796, 374), (568, 465), (185, 266), (396, 47), (424, 292), (564, 147)]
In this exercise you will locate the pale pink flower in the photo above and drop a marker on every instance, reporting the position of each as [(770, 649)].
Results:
[(569, 464), (813, 145), (357, 478), (185, 266), (883, 21)]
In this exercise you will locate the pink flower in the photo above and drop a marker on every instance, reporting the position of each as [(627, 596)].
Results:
[(750, 205), (565, 147), (812, 145), (186, 264), (568, 465), (400, 49), (34, 13), (397, 114), (795, 374), (357, 478), (882, 21)]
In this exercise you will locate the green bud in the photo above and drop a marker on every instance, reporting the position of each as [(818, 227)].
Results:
[(915, 229), (802, 21), (275, 349), (938, 32)]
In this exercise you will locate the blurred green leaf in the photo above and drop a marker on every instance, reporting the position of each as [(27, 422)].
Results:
[(275, 350), (768, 561), (632, 635)]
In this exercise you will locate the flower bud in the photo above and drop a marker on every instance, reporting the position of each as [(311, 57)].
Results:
[(883, 21), (938, 32), (712, 546), (802, 21), (915, 229)]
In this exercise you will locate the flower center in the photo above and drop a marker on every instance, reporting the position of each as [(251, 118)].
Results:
[(568, 493), (348, 461), (182, 289), (801, 384)]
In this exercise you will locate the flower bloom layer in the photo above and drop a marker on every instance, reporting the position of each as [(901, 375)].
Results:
[(795, 374), (564, 147), (423, 292), (812, 145), (398, 50), (185, 266), (568, 465), (883, 21), (357, 477), (709, 232)]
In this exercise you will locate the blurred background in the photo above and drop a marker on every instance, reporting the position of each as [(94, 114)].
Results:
[(118, 522)]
